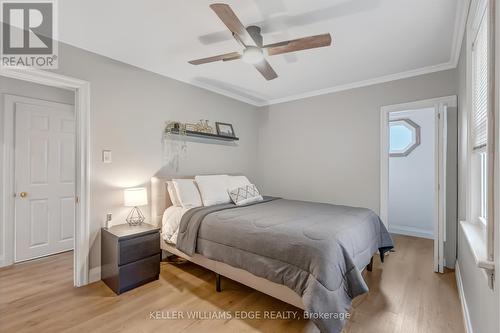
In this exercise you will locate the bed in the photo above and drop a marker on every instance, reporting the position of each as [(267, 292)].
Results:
[(290, 250)]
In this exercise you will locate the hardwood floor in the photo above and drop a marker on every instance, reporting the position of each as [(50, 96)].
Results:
[(405, 296)]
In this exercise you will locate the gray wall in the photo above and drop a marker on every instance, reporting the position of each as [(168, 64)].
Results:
[(327, 148), (129, 107), (26, 89), (482, 303)]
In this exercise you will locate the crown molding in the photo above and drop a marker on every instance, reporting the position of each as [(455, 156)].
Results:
[(365, 83), (226, 93), (359, 84)]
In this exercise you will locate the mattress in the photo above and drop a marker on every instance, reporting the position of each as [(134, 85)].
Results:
[(170, 223)]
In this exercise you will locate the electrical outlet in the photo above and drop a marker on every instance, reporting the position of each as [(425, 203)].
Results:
[(109, 217)]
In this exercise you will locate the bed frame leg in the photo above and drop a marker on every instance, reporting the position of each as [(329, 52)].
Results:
[(369, 267), (217, 283)]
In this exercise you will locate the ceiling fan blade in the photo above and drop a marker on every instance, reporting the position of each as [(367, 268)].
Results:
[(235, 57), (222, 57), (299, 44), (229, 18), (266, 70)]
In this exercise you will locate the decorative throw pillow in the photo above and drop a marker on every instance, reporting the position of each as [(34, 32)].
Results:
[(172, 193), (245, 194), (213, 189), (187, 192)]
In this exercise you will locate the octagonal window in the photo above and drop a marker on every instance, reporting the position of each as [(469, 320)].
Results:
[(404, 137)]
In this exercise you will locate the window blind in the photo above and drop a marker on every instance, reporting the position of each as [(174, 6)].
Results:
[(480, 89)]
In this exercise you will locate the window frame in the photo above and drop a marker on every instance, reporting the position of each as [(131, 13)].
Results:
[(416, 137), (480, 234), (477, 158), (483, 216)]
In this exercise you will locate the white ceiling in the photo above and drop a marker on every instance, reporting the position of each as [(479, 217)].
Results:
[(373, 41)]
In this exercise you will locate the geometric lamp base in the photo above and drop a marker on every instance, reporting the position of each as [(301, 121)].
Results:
[(135, 217)]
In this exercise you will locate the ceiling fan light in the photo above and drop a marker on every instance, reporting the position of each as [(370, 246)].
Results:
[(252, 55)]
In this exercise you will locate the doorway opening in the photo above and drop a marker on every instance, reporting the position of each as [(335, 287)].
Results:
[(42, 238), (413, 171), (412, 175)]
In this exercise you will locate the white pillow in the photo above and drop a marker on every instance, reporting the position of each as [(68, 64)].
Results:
[(187, 192), (245, 194), (213, 189), (172, 193), (238, 181)]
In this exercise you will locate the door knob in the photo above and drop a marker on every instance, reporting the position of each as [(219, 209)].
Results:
[(23, 194)]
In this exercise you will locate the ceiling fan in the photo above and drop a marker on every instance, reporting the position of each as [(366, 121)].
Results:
[(250, 39)]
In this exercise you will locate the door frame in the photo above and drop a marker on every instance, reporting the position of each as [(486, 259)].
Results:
[(82, 184), (440, 105)]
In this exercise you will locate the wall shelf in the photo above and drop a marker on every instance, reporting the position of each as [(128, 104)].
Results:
[(205, 135)]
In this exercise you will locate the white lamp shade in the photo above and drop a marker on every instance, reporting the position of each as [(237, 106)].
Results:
[(133, 197)]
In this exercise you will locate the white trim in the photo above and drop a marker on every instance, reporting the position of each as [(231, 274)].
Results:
[(411, 231), (8, 186), (365, 83), (496, 177), (458, 35), (441, 157), (82, 117), (463, 301), (440, 105), (94, 274), (438, 253), (248, 100), (475, 235), (490, 148)]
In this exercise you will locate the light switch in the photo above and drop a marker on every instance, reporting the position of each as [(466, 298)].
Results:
[(106, 156)]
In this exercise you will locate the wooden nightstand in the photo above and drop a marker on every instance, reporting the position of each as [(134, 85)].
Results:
[(130, 256)]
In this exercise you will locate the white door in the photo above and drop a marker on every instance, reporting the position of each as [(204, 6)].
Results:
[(44, 178)]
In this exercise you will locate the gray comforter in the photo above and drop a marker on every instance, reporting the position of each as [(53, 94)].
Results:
[(317, 250)]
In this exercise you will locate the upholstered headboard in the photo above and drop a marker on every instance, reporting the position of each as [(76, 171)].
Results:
[(160, 200), (159, 197)]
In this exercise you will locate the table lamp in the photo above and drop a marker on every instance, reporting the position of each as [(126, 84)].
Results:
[(135, 197)]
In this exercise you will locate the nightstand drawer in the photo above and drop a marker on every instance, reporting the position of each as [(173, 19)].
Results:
[(139, 272), (139, 248)]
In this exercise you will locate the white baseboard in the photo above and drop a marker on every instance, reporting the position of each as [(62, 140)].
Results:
[(463, 301), (95, 274), (410, 231)]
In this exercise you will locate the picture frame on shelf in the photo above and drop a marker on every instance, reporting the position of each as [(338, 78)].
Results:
[(225, 129)]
